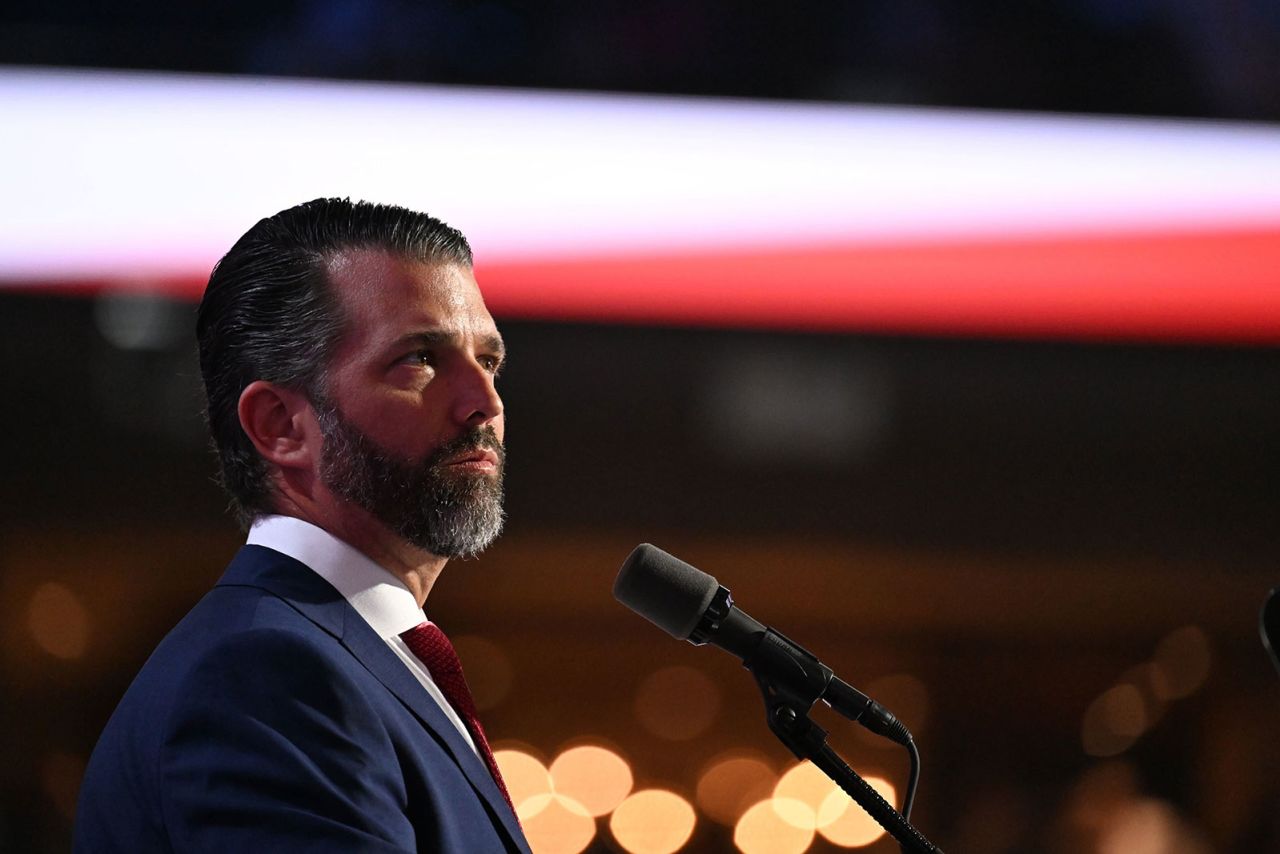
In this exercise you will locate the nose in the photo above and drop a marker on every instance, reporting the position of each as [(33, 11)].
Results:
[(479, 403)]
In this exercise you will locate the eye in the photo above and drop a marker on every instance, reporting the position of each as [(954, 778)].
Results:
[(492, 364), (426, 358)]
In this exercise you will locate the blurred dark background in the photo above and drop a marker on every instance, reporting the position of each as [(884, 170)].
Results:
[(1149, 57), (1049, 555)]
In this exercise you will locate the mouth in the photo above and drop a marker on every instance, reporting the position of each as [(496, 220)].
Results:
[(477, 460)]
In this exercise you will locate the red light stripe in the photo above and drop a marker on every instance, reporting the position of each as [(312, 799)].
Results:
[(1221, 286), (1198, 287)]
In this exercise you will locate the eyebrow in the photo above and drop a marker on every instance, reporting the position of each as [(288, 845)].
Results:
[(436, 338)]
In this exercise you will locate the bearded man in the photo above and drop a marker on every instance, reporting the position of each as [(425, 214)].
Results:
[(306, 702)]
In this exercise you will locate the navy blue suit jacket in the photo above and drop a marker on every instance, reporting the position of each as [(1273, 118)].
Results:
[(273, 718)]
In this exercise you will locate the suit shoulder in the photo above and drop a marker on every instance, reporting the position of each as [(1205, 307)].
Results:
[(268, 661)]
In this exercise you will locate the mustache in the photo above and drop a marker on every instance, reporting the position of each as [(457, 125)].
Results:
[(476, 439)]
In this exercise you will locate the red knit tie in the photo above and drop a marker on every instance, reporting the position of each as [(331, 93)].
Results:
[(434, 650)]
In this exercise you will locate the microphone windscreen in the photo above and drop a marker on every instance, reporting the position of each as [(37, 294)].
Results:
[(664, 590)]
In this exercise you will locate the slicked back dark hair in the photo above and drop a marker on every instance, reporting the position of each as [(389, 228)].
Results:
[(269, 314)]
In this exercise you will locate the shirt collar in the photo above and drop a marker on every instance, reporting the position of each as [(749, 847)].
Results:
[(383, 600)]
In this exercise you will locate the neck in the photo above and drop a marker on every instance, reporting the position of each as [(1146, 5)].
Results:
[(417, 568)]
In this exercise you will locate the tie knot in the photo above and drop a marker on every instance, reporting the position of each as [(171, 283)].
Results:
[(433, 649)]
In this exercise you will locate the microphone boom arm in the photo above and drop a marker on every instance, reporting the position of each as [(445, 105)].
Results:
[(790, 684), (791, 680)]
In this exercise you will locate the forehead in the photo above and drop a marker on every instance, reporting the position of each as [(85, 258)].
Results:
[(384, 296)]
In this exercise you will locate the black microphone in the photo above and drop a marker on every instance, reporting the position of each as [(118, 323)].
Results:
[(691, 605)]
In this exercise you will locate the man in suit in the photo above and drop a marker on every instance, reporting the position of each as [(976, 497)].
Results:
[(306, 703)]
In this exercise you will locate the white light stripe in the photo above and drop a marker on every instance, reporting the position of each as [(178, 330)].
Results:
[(109, 175)]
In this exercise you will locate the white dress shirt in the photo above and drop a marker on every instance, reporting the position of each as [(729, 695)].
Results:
[(383, 600)]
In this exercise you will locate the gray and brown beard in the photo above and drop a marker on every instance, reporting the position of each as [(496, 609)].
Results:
[(450, 514)]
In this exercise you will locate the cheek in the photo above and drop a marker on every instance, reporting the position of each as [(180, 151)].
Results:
[(405, 427)]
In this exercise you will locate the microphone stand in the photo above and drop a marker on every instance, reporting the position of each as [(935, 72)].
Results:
[(791, 683)]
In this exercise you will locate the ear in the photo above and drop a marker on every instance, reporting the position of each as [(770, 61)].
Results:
[(280, 424)]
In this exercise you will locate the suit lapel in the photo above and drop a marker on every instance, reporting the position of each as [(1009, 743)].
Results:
[(316, 599), (373, 652)]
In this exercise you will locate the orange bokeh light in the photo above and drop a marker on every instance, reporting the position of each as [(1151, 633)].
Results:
[(731, 783), (1183, 659), (555, 824), (527, 779), (595, 777), (800, 794), (653, 821), (677, 703), (58, 620), (844, 823), (1114, 721), (762, 829)]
